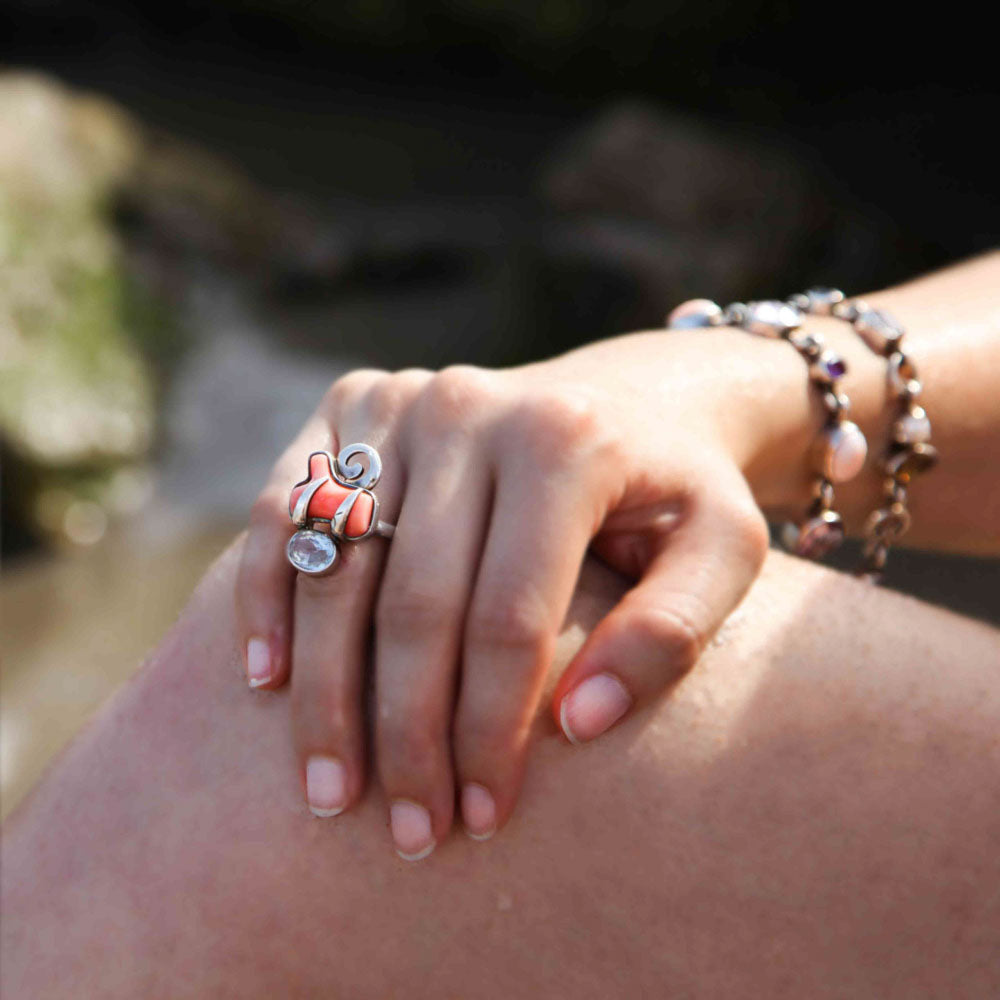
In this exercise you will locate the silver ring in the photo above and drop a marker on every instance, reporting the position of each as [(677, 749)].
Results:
[(334, 503)]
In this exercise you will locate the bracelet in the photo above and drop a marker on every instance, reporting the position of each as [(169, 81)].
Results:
[(909, 452), (840, 450)]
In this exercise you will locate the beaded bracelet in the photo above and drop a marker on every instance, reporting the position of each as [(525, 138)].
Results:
[(841, 449), (909, 452)]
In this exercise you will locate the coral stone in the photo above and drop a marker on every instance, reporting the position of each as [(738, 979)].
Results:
[(695, 313), (842, 451), (311, 552)]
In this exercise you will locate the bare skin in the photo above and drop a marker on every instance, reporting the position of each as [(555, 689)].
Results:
[(660, 451), (813, 812)]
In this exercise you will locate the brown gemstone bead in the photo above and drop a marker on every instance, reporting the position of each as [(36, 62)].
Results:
[(913, 461)]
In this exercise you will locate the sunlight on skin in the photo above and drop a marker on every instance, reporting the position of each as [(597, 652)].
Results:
[(803, 814)]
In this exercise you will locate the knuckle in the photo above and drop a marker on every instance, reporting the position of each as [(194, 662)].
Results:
[(751, 537), (252, 578), (269, 511), (408, 612), (674, 629), (454, 395), (503, 621), (484, 734), (408, 740), (387, 397), (323, 710), (347, 390), (558, 422)]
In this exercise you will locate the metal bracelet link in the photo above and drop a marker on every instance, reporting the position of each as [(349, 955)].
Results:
[(909, 452), (840, 450)]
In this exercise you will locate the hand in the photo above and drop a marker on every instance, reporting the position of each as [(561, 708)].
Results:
[(498, 482)]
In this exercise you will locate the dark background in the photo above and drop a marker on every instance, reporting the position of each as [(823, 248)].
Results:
[(492, 181), (887, 111)]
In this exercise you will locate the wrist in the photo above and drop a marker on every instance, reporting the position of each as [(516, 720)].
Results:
[(770, 416), (782, 470)]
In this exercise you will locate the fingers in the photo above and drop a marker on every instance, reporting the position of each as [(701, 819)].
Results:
[(658, 630), (421, 607), (330, 651), (537, 541), (332, 619), (264, 579)]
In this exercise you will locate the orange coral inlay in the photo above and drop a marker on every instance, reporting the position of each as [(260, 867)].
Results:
[(331, 495)]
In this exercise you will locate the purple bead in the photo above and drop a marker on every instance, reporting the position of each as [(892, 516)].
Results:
[(829, 366), (836, 368), (819, 536)]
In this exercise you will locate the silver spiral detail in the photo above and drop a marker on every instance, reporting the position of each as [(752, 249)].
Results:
[(364, 474)]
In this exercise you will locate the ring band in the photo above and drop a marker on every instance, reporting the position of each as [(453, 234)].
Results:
[(334, 503)]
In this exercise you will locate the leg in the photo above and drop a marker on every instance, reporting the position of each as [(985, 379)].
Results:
[(813, 812)]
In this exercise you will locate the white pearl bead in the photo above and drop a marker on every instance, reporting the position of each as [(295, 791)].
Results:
[(843, 450)]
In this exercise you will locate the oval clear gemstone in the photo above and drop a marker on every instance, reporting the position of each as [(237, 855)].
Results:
[(311, 551), (771, 318), (695, 313), (913, 427), (822, 300), (878, 329)]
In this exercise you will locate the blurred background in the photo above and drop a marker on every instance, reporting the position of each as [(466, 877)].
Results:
[(210, 210)]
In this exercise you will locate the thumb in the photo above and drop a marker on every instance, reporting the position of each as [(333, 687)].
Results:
[(656, 633)]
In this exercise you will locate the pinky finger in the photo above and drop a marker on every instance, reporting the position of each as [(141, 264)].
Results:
[(264, 582), (264, 597)]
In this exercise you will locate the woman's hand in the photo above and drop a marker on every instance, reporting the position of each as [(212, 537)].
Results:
[(498, 482)]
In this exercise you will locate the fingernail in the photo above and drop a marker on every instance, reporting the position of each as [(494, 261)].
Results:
[(411, 830), (593, 706), (258, 662), (479, 812), (326, 785)]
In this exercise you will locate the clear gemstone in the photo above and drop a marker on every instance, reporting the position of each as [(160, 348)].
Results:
[(913, 427), (878, 329), (789, 536), (695, 313), (311, 551), (771, 318), (822, 300)]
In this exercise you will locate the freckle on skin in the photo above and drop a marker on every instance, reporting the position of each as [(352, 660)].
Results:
[(504, 902)]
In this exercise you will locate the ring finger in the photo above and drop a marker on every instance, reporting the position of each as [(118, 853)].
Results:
[(332, 618)]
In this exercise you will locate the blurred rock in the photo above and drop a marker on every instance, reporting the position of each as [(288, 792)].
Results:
[(651, 207), (76, 395)]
